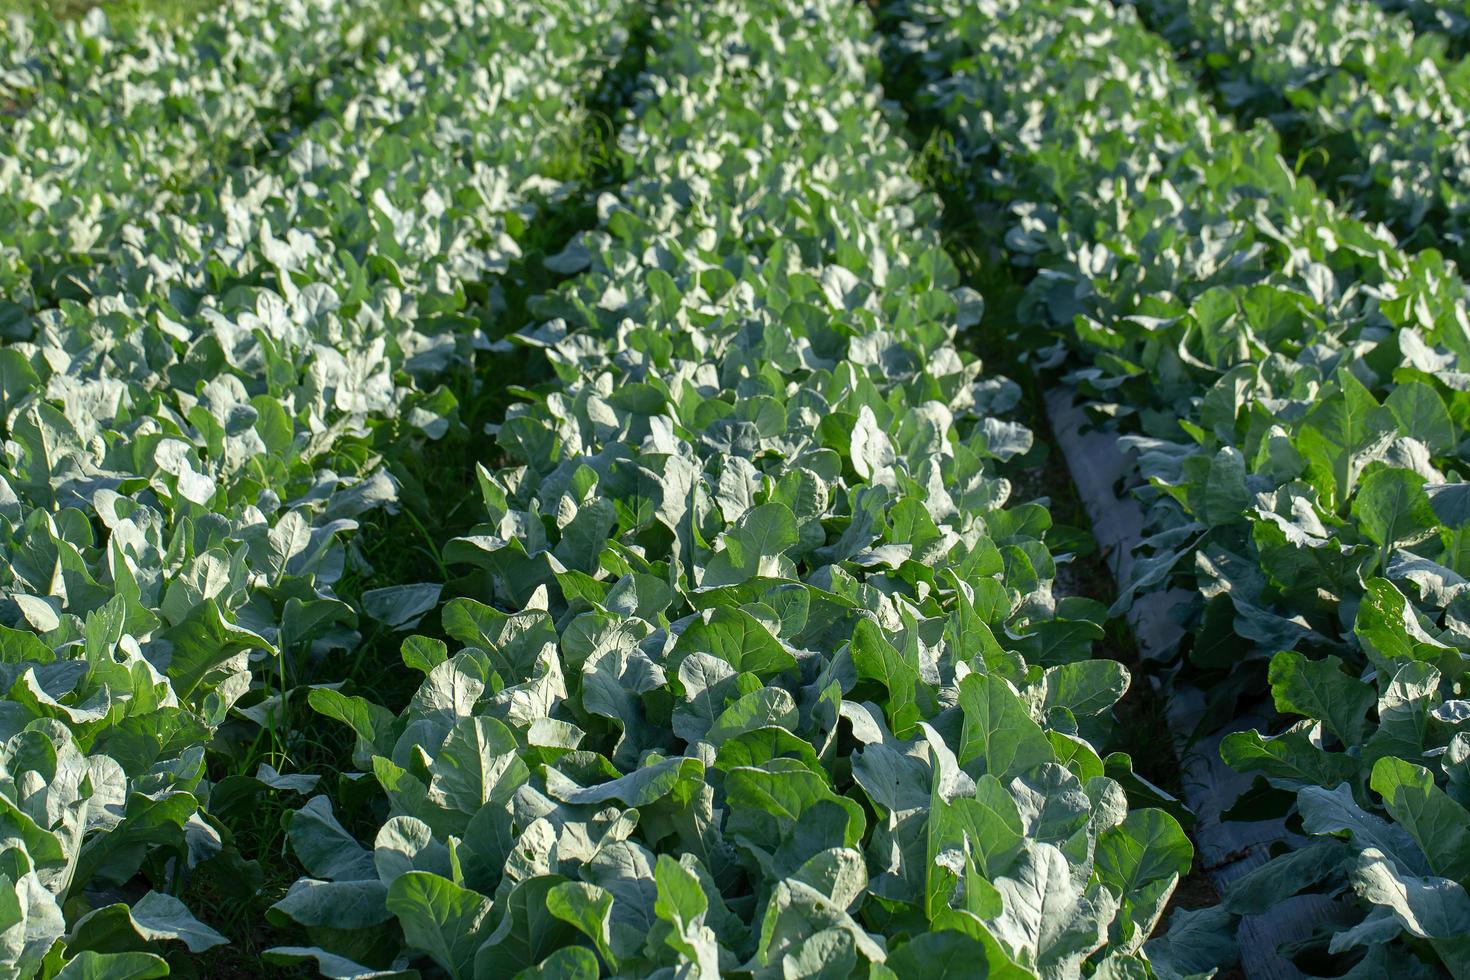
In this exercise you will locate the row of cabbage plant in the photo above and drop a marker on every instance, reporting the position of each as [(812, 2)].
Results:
[(1371, 107), (181, 477), (109, 123), (1296, 388), (762, 670)]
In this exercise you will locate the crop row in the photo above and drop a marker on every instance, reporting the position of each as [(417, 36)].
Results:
[(768, 674), (353, 206), (1296, 388), (185, 462), (1372, 108), (116, 123)]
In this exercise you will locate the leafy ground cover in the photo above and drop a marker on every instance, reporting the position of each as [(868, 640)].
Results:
[(1363, 103), (504, 490), (116, 119), (160, 12), (1448, 17), (1265, 349), (781, 687), (186, 462)]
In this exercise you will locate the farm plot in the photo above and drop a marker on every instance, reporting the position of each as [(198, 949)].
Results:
[(779, 668), (111, 125), (1290, 378), (509, 490), (1362, 103), (183, 475)]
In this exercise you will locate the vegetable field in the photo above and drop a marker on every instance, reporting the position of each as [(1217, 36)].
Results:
[(769, 489)]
